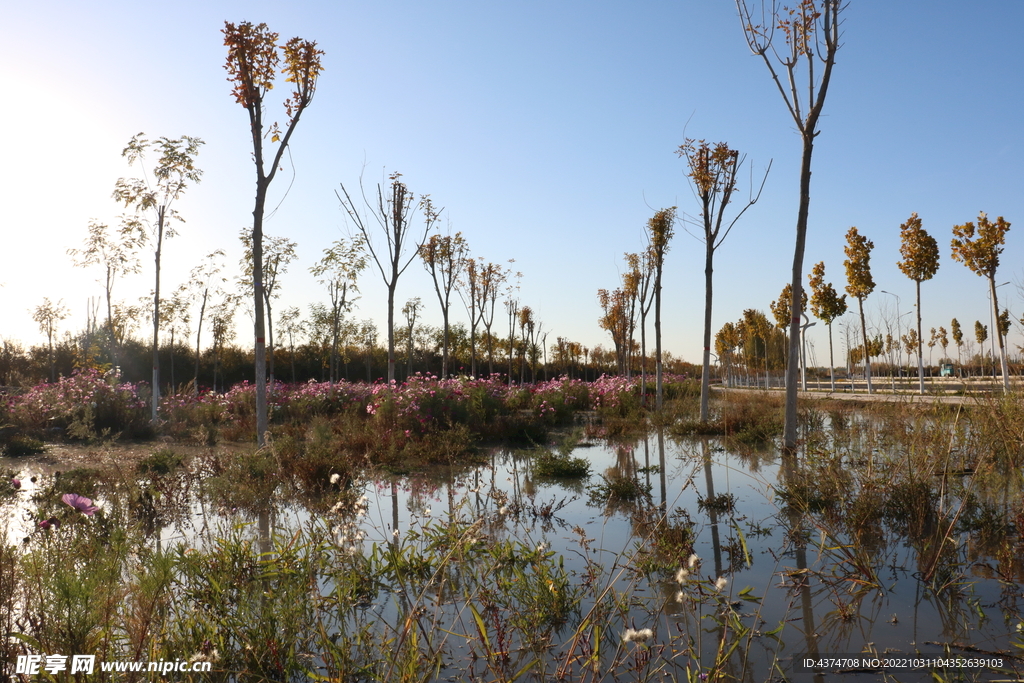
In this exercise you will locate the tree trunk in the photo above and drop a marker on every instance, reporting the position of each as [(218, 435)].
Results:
[(867, 350), (199, 334), (262, 417), (705, 375), (391, 325), (659, 390), (831, 360), (789, 434), (156, 313), (921, 363)]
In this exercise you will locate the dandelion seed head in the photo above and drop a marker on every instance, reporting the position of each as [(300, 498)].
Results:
[(721, 583), (335, 478), (682, 575), (692, 561)]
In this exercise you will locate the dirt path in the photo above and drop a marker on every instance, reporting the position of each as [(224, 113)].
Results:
[(878, 396)]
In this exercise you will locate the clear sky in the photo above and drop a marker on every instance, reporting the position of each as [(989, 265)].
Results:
[(547, 130)]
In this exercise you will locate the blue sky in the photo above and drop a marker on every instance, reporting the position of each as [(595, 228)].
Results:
[(546, 130)]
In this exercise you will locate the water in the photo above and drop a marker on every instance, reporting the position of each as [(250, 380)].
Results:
[(819, 584)]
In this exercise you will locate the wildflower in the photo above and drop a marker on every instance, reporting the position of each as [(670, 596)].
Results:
[(721, 583), (682, 575), (634, 636), (692, 561), (395, 534), (16, 483), (335, 478), (426, 513), (680, 596), (52, 522), (541, 547), (80, 503)]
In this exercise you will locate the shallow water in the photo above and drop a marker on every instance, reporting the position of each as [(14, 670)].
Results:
[(827, 591)]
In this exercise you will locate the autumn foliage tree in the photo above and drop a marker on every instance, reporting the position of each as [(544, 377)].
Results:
[(859, 283), (801, 68), (826, 306), (978, 248), (254, 57), (920, 262), (660, 229), (713, 170)]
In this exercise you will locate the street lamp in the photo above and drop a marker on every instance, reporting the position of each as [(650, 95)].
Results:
[(803, 352)]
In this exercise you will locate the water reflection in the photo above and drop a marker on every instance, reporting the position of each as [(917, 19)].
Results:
[(834, 561)]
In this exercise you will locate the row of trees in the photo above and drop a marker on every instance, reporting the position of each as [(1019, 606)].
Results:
[(978, 247)]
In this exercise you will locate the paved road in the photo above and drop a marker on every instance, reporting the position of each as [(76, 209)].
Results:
[(877, 396)]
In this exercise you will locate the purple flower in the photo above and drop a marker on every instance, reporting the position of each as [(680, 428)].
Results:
[(48, 523), (80, 503), (16, 483)]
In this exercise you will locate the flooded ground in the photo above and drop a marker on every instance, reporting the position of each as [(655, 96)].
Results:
[(739, 562)]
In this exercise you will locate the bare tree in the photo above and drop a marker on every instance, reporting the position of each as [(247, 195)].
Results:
[(392, 211), (410, 311), (204, 280), (810, 36)]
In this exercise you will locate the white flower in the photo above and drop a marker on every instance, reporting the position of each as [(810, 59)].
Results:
[(542, 547), (641, 636), (721, 583), (692, 561), (426, 513), (682, 575), (395, 534), (335, 478)]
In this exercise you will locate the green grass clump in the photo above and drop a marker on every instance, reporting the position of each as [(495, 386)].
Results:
[(558, 465)]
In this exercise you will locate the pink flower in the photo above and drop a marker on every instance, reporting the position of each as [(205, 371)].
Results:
[(80, 503), (48, 523), (16, 483)]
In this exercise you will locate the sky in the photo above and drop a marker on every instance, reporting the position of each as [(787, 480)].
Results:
[(546, 130)]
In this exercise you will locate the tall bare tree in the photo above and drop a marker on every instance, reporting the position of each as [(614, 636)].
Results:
[(392, 211), (920, 262), (810, 39), (713, 172), (979, 249), (252, 65)]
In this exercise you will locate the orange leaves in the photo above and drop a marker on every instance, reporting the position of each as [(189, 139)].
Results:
[(981, 253), (712, 167), (253, 58), (858, 264), (920, 251), (826, 305)]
